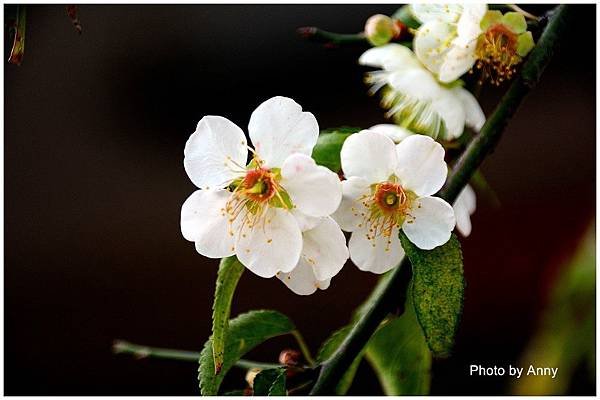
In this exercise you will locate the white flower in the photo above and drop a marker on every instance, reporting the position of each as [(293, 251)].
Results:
[(455, 37), (389, 187), (416, 99), (324, 253), (464, 207), (446, 42), (255, 211)]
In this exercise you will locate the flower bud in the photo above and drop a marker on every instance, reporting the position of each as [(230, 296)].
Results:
[(380, 29), (289, 357)]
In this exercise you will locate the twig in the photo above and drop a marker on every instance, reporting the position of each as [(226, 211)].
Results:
[(139, 352), (523, 12), (315, 34), (303, 347), (394, 290)]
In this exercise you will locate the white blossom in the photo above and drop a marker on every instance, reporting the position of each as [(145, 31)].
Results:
[(258, 211), (389, 187), (416, 99)]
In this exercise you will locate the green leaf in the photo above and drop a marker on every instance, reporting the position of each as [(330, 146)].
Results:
[(230, 271), (400, 357), (329, 347), (270, 382), (329, 145), (437, 291), (245, 333), (404, 15)]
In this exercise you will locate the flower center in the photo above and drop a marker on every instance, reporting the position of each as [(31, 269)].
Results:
[(259, 185), (496, 54), (253, 194), (387, 206)]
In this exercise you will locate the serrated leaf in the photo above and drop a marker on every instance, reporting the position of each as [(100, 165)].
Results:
[(328, 147), (329, 347), (270, 382), (437, 291), (230, 271), (404, 15), (400, 357), (244, 333)]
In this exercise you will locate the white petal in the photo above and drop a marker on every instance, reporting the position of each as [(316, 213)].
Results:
[(368, 155), (474, 116), (278, 127), (432, 42), (421, 165), (457, 62), (425, 12), (203, 220), (450, 108), (302, 280), (393, 131), (350, 212), (430, 223), (325, 249), (314, 189), (463, 207), (390, 57), (377, 255), (304, 221), (469, 23), (215, 153), (418, 84), (271, 245)]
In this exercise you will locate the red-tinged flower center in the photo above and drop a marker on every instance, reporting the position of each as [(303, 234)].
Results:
[(385, 208), (496, 54), (252, 196), (259, 185)]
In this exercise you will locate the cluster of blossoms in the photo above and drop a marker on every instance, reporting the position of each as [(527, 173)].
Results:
[(282, 215)]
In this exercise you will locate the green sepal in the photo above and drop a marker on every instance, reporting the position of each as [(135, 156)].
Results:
[(437, 291), (515, 21), (405, 15), (490, 18), (525, 44), (270, 382)]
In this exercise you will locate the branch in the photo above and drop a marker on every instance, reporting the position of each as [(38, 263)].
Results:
[(139, 352), (315, 34), (394, 291)]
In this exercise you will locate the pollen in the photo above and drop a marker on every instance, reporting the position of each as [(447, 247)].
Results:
[(496, 54), (387, 206)]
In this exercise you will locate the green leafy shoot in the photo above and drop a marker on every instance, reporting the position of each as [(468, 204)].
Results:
[(245, 332), (230, 271)]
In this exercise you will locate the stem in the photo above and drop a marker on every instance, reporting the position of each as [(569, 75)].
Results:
[(330, 38), (139, 351), (522, 12), (303, 347), (394, 290)]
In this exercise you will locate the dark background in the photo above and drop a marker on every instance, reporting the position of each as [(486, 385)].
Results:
[(95, 127)]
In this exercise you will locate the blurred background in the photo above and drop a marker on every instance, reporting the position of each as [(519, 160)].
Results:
[(94, 131)]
